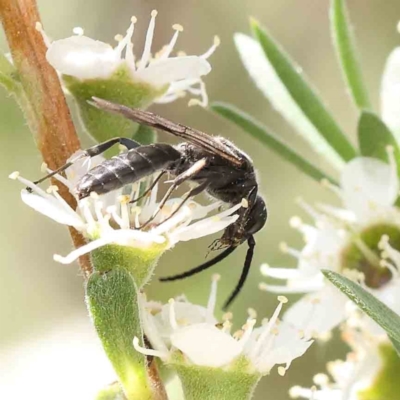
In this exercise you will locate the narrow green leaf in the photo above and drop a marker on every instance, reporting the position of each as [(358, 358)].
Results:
[(373, 307), (346, 49), (270, 85), (374, 137), (303, 94), (269, 139), (396, 345)]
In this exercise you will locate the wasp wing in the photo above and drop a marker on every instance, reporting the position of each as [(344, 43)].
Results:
[(199, 138)]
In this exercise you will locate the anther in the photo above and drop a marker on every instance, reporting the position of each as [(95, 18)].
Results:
[(177, 27), (281, 371), (154, 13), (14, 175), (283, 247), (283, 299), (78, 31)]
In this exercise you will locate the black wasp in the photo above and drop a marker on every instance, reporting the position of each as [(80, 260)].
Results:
[(213, 163)]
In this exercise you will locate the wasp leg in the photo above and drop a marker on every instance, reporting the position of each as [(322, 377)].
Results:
[(247, 264), (201, 267), (193, 192), (184, 176), (91, 152), (149, 189)]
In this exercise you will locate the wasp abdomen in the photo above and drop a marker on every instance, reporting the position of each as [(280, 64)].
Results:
[(127, 168)]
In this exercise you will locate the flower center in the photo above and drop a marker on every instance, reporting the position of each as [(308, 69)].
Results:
[(363, 254)]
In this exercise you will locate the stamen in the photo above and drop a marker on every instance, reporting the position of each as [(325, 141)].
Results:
[(78, 31), (281, 371), (335, 189), (247, 330), (267, 329), (123, 42), (212, 299), (172, 317), (31, 185), (148, 352), (149, 39), (394, 271), (308, 208), (87, 214), (54, 190), (113, 211), (204, 97), (226, 326), (252, 313), (211, 50), (284, 248), (87, 248), (124, 202), (393, 254), (169, 48)]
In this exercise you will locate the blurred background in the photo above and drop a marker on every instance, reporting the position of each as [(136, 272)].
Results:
[(46, 340)]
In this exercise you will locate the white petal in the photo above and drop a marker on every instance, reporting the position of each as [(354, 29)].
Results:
[(367, 183), (162, 72), (279, 273), (51, 207), (390, 93), (206, 345), (82, 57), (318, 313), (270, 85), (201, 228)]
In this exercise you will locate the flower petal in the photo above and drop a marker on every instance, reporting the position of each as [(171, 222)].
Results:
[(206, 345), (163, 72), (205, 227), (82, 57), (367, 183), (52, 208), (318, 313), (390, 92)]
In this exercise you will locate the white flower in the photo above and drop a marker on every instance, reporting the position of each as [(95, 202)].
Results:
[(180, 326), (368, 190), (390, 93), (112, 219), (350, 377), (85, 58)]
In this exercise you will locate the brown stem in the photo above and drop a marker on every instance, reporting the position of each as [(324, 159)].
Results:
[(49, 115)]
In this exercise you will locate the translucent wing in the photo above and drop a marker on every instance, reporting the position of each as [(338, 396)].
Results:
[(194, 136)]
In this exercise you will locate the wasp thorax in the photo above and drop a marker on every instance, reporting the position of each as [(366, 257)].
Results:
[(364, 253)]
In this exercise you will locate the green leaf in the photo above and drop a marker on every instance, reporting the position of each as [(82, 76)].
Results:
[(8, 75), (346, 49), (113, 305), (396, 345), (145, 135), (304, 95), (374, 137), (261, 133), (269, 83), (373, 307)]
